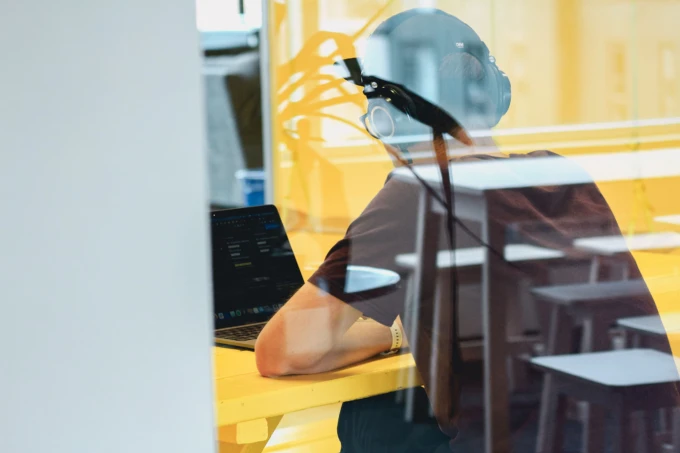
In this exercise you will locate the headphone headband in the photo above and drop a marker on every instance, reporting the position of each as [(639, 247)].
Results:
[(463, 40)]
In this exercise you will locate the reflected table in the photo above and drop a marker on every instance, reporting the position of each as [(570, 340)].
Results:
[(472, 182), (652, 329), (611, 245), (607, 246), (670, 219), (370, 281)]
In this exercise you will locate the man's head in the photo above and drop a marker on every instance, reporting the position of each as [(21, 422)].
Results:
[(443, 60)]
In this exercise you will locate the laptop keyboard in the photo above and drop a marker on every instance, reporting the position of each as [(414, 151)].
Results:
[(244, 333)]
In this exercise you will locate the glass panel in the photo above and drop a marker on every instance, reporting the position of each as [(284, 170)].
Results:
[(555, 124)]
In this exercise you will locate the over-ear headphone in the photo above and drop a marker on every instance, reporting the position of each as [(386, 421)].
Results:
[(391, 108)]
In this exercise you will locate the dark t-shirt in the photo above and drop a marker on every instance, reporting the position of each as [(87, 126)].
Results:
[(385, 229), (551, 217)]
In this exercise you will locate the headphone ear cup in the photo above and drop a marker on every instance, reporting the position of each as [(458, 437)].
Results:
[(379, 121), (503, 90), (505, 95)]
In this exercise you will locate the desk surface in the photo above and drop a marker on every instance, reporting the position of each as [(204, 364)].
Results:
[(516, 173), (475, 256), (607, 292), (666, 324), (671, 219), (623, 368), (610, 245), (242, 394)]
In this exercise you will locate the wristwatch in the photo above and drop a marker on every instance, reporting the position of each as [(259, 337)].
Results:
[(397, 339)]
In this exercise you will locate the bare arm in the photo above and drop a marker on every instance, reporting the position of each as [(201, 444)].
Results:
[(316, 332)]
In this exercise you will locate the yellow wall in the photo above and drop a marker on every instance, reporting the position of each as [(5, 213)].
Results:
[(570, 62)]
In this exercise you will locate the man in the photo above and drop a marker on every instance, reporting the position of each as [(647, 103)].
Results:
[(317, 330), (385, 229), (443, 60)]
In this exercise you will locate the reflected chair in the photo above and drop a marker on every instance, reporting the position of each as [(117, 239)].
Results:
[(629, 383), (595, 307)]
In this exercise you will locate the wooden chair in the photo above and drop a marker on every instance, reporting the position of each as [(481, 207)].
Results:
[(656, 332), (594, 307), (629, 383), (649, 331)]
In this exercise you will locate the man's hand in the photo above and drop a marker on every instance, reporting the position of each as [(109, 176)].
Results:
[(316, 332)]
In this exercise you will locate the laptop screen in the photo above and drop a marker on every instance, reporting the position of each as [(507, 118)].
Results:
[(254, 269)]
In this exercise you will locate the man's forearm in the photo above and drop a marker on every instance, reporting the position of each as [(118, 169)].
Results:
[(316, 332), (363, 340)]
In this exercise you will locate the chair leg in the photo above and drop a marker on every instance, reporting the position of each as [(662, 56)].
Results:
[(594, 422), (595, 338), (622, 432), (517, 369), (643, 432), (636, 341), (547, 419), (594, 269), (552, 404), (557, 441), (649, 433), (675, 430)]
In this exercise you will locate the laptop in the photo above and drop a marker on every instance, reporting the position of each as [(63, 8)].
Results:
[(254, 272)]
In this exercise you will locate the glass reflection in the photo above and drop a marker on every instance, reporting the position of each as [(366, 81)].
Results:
[(542, 312)]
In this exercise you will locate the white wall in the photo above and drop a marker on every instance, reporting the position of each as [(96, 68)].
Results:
[(104, 276)]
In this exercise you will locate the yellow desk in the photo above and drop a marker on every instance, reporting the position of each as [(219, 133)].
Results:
[(249, 407)]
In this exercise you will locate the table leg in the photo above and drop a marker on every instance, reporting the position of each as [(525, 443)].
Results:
[(419, 322), (594, 269), (625, 431), (552, 411), (256, 447), (494, 318), (625, 272), (647, 430), (557, 441), (595, 338), (675, 429), (517, 370), (635, 341)]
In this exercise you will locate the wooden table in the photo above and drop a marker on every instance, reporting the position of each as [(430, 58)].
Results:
[(471, 182), (249, 407)]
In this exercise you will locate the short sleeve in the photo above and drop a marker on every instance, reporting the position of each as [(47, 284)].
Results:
[(385, 229)]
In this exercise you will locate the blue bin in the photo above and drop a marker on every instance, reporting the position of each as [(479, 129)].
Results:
[(252, 183)]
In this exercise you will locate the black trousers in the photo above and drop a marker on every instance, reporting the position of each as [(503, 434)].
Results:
[(378, 424)]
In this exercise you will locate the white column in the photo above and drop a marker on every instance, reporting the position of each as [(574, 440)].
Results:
[(105, 324)]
